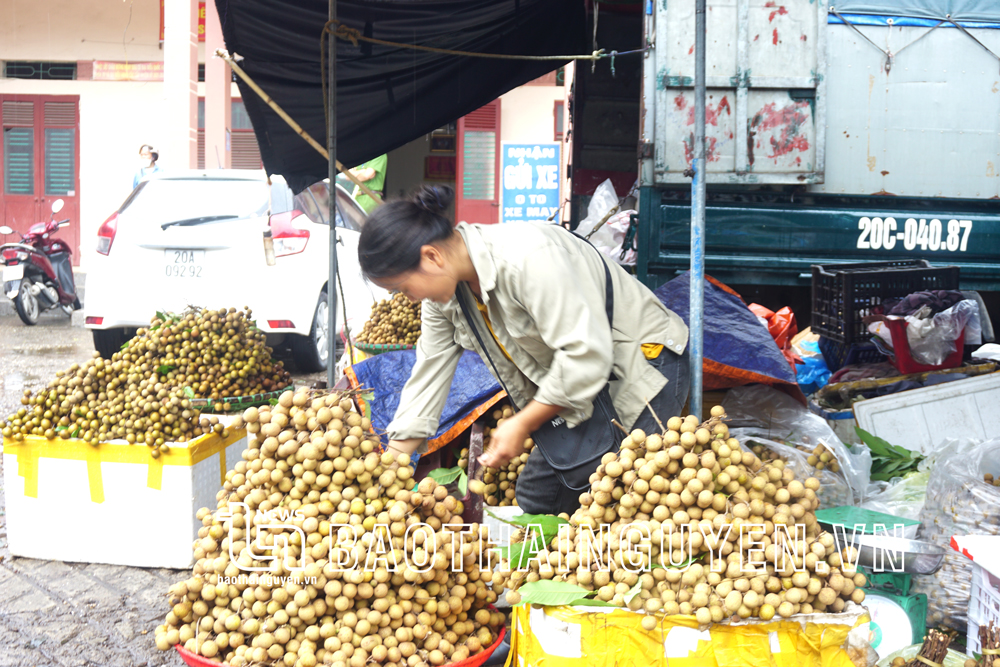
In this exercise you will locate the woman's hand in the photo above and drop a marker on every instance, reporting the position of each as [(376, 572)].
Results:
[(397, 447), (506, 442)]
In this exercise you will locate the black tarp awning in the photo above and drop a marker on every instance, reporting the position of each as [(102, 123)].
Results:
[(386, 96)]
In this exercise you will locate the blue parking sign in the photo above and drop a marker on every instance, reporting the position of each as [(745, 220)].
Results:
[(530, 182)]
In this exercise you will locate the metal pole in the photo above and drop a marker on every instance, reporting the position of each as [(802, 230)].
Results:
[(696, 341), (331, 147)]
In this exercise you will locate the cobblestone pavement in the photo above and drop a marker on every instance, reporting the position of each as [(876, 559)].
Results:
[(71, 614)]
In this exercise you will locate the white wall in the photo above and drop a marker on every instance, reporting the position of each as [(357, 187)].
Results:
[(70, 30), (526, 114)]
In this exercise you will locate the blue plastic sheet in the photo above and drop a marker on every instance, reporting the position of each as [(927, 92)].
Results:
[(386, 374), (739, 350)]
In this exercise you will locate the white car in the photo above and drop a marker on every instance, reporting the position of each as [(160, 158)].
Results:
[(197, 238)]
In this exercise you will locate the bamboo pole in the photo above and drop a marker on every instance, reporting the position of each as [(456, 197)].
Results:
[(222, 53)]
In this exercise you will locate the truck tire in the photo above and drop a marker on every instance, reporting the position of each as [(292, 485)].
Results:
[(310, 352), (109, 341)]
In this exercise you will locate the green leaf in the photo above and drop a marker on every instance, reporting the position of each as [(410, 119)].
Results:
[(367, 398), (160, 315), (445, 475), (591, 602), (632, 592), (75, 432), (189, 392), (463, 483), (552, 593), (60, 428), (272, 401), (874, 443), (163, 370)]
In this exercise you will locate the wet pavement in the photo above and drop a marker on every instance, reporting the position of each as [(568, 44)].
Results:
[(72, 614)]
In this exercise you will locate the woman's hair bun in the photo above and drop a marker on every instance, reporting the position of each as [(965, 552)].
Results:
[(434, 198)]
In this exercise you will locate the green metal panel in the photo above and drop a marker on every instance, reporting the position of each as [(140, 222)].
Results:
[(773, 239)]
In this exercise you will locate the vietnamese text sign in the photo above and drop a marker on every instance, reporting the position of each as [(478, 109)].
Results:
[(530, 181), (105, 70)]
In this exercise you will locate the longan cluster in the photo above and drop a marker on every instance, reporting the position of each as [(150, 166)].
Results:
[(498, 484), (142, 394), (394, 321), (697, 477), (316, 464)]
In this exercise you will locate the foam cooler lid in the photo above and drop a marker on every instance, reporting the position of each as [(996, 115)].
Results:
[(984, 550)]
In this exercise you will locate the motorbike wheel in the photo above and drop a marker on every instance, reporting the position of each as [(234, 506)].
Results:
[(26, 304)]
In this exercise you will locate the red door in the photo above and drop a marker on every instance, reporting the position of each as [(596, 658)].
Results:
[(478, 168), (39, 162)]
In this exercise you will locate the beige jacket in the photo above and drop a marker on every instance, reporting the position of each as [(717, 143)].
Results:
[(544, 290)]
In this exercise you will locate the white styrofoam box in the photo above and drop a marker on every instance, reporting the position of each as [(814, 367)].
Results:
[(984, 603), (920, 419), (114, 503)]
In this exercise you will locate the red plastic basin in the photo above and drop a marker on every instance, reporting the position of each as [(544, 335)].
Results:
[(195, 660)]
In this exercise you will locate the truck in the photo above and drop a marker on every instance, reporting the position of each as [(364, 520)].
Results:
[(833, 134)]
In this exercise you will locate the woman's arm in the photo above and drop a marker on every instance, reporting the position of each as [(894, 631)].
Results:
[(363, 174), (425, 393)]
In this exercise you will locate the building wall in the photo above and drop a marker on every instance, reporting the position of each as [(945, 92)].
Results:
[(526, 116)]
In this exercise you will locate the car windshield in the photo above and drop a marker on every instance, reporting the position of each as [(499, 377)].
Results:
[(162, 201)]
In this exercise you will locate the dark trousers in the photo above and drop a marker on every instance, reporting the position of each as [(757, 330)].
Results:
[(539, 490)]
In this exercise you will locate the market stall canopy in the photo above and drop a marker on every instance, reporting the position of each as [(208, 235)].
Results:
[(386, 96)]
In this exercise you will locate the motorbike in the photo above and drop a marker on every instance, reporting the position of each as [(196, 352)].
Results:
[(38, 271)]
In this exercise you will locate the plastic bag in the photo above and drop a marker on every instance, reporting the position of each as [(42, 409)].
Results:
[(834, 490), (610, 237), (932, 339), (759, 410), (903, 496), (958, 502), (812, 375)]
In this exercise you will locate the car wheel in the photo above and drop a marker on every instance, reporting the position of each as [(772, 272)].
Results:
[(108, 341), (27, 304), (310, 352)]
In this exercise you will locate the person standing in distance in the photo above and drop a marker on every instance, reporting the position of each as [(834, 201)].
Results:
[(372, 174), (541, 294), (147, 164)]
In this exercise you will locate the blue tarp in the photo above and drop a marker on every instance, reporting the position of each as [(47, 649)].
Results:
[(960, 10), (385, 375), (738, 348)]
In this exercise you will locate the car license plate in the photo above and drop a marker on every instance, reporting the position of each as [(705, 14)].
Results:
[(183, 263), (11, 273)]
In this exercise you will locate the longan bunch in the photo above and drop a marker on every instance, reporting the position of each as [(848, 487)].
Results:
[(316, 464), (695, 475), (394, 321), (142, 394), (823, 459), (498, 484)]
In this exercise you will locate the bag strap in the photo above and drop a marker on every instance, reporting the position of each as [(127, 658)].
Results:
[(609, 308)]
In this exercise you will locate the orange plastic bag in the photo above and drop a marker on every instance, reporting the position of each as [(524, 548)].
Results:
[(782, 327)]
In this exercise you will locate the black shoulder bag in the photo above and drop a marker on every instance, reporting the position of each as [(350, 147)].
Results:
[(574, 453)]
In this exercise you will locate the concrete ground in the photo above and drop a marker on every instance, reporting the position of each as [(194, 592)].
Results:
[(71, 614)]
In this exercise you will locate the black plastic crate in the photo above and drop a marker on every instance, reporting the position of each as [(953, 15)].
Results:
[(842, 294), (837, 355)]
